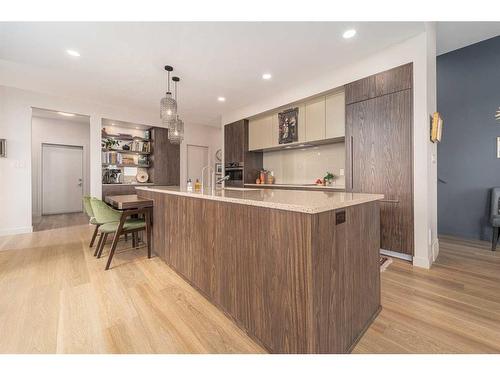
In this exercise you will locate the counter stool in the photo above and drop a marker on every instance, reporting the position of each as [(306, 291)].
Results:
[(495, 217)]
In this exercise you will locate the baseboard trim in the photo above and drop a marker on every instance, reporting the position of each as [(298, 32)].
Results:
[(435, 249), (395, 254), (12, 231)]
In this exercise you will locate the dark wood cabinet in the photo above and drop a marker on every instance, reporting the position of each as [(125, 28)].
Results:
[(235, 141), (379, 154), (236, 150), (165, 158), (360, 90), (387, 82), (394, 80)]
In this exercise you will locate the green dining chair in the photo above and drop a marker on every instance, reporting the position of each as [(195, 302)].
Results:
[(120, 223), (92, 220)]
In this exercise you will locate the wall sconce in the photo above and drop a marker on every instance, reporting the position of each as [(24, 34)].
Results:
[(3, 148)]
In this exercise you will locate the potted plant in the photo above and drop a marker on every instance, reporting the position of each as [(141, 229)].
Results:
[(109, 143), (329, 178)]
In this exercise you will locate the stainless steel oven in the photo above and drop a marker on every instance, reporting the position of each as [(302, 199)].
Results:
[(235, 172)]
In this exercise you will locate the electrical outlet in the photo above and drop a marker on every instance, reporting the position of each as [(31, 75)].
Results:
[(341, 171)]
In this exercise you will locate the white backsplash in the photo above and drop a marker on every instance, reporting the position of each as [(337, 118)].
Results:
[(304, 166)]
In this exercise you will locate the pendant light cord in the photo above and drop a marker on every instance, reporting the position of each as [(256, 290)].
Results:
[(168, 81)]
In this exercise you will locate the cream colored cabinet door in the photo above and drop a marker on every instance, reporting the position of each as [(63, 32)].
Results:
[(260, 133), (335, 115), (315, 119)]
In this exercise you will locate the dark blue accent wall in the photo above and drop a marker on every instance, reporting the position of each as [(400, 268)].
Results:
[(468, 96)]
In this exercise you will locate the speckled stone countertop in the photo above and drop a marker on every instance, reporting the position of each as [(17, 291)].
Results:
[(297, 186), (310, 202)]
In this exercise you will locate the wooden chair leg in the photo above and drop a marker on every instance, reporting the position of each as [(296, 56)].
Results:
[(94, 236), (126, 237), (148, 233), (113, 248), (105, 238), (134, 239), (494, 239), (98, 244)]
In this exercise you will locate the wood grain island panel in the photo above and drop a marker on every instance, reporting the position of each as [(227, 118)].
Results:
[(295, 282)]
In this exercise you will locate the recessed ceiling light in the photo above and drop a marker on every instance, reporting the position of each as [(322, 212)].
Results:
[(349, 33), (73, 53), (221, 99), (66, 114), (266, 76)]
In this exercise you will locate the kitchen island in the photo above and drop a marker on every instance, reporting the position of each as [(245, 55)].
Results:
[(297, 270)]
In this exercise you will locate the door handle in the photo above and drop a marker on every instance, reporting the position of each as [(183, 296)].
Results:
[(352, 163)]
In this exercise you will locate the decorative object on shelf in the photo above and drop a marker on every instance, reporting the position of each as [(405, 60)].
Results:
[(126, 147), (329, 179), (436, 127), (218, 155), (288, 126), (176, 129), (142, 176), (3, 148), (218, 168), (168, 105), (109, 143), (147, 134)]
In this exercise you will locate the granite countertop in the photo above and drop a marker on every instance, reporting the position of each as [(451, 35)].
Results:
[(305, 186), (310, 202)]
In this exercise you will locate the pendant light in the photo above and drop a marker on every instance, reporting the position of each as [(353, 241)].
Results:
[(168, 105), (176, 127)]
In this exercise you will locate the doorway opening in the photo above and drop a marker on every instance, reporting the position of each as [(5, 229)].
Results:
[(197, 159), (60, 145)]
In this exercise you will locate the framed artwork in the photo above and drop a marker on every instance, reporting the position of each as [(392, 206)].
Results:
[(436, 127), (288, 126), (218, 168)]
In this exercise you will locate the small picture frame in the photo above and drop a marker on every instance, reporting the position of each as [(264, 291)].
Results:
[(218, 168), (436, 127)]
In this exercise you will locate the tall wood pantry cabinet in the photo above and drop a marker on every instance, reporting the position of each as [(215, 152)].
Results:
[(379, 152)]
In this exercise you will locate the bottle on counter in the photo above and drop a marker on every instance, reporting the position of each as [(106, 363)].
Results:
[(270, 177), (189, 185), (197, 185)]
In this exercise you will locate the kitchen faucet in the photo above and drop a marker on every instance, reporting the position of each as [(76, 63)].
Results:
[(212, 178)]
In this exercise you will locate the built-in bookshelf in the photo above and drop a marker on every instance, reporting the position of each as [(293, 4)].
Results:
[(129, 150)]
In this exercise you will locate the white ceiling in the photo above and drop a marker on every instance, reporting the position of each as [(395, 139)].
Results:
[(455, 35), (51, 114), (122, 63)]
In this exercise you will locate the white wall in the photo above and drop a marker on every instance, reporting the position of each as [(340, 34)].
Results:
[(306, 165), (421, 51), (45, 130), (15, 126), (199, 136)]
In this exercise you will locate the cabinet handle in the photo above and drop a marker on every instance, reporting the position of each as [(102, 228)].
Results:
[(352, 163)]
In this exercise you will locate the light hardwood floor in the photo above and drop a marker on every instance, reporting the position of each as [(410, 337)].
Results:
[(47, 222), (56, 298)]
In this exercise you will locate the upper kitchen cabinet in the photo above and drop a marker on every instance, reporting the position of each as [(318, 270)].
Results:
[(360, 90), (335, 115), (315, 119), (261, 134), (234, 142), (394, 80)]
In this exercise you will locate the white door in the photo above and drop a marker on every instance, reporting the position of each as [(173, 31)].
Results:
[(197, 158), (62, 179)]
